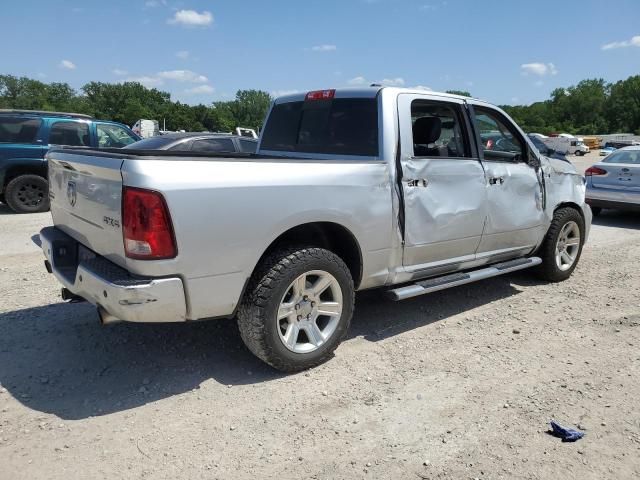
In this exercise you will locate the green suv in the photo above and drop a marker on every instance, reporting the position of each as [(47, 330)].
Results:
[(25, 137)]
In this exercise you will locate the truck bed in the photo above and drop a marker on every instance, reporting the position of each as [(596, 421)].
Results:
[(226, 209)]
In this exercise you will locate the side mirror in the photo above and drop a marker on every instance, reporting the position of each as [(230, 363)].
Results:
[(533, 160)]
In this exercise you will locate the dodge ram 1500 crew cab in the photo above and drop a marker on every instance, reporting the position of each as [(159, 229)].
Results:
[(351, 189)]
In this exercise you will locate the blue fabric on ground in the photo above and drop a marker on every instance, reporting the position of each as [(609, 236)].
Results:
[(566, 434)]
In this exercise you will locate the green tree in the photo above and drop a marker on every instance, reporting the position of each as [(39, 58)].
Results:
[(623, 107), (590, 107), (463, 93), (247, 110)]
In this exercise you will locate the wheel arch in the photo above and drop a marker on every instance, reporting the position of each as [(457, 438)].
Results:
[(324, 234), (570, 204), (32, 168)]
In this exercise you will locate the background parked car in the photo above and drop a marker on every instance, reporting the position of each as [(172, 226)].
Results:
[(25, 137), (614, 182), (607, 150), (198, 142)]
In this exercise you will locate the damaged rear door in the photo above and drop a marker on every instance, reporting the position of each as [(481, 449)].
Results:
[(442, 181)]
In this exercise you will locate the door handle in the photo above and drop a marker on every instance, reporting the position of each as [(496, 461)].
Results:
[(496, 180), (421, 182)]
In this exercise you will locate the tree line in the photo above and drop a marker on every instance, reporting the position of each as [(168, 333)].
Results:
[(129, 101), (591, 107)]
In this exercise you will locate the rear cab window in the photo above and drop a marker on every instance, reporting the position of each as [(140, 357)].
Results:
[(329, 126), (213, 145), (14, 129)]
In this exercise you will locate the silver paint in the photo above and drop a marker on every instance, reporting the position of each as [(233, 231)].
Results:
[(226, 211)]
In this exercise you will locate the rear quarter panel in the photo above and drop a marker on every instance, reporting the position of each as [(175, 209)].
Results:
[(227, 212)]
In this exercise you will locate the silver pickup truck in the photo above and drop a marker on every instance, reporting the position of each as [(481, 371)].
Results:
[(403, 190)]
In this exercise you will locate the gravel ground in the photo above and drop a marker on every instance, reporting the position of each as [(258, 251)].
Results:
[(458, 384)]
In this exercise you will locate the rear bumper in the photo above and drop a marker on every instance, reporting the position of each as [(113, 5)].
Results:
[(596, 203), (112, 289), (610, 198)]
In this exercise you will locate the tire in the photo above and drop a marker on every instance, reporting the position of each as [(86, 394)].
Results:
[(276, 290), (552, 269), (578, 153), (27, 194), (596, 211)]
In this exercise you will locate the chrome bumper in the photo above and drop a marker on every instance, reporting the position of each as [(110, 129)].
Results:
[(111, 288)]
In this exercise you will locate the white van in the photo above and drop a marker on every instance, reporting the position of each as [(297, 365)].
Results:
[(566, 144), (146, 128)]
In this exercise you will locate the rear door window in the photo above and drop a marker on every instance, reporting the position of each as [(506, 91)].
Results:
[(343, 126), (75, 134), (19, 130), (248, 146), (437, 129), (213, 145)]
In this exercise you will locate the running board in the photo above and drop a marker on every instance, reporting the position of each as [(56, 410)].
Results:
[(455, 279)]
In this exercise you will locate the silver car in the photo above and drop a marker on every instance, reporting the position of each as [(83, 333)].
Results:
[(614, 182), (198, 142)]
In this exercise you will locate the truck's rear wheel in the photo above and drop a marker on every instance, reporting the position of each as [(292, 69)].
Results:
[(297, 308), (562, 245), (27, 194)]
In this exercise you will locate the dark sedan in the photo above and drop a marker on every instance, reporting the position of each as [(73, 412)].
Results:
[(198, 142)]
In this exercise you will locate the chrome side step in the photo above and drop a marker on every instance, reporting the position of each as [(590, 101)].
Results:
[(455, 279)]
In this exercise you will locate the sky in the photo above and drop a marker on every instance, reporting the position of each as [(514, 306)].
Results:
[(504, 51)]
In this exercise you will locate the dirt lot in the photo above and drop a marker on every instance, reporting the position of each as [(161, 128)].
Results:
[(459, 384)]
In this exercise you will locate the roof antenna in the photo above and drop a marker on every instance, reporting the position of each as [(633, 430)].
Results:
[(375, 85)]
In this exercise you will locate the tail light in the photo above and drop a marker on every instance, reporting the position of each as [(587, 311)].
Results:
[(320, 95), (592, 171), (146, 225)]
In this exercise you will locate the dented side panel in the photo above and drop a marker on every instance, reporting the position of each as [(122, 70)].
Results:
[(445, 216), (444, 199), (564, 185)]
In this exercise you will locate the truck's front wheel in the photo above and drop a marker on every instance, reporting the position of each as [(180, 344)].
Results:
[(297, 308), (562, 245)]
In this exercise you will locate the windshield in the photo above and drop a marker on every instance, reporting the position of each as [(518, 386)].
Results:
[(623, 156), (345, 126), (539, 144)]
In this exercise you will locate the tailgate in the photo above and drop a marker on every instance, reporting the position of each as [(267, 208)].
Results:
[(85, 192), (619, 176)]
